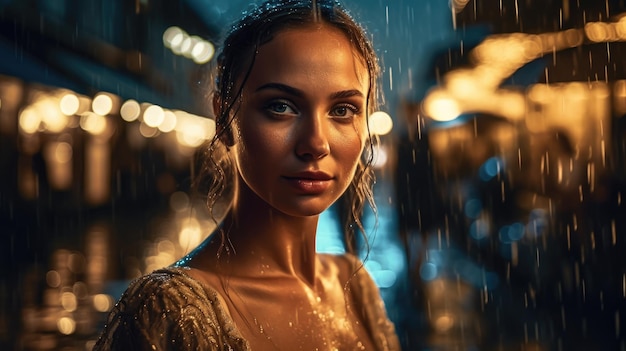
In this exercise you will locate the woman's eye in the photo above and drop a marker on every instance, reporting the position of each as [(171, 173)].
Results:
[(344, 111), (280, 108)]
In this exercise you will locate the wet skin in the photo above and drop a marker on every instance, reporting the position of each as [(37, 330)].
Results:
[(296, 139)]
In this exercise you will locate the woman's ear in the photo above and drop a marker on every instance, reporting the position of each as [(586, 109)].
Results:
[(222, 126)]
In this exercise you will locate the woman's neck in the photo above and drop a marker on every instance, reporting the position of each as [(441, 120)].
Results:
[(264, 239)]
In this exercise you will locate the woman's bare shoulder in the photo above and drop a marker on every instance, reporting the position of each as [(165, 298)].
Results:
[(366, 297), (345, 265)]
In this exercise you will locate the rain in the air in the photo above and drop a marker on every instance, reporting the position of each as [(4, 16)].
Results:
[(496, 150)]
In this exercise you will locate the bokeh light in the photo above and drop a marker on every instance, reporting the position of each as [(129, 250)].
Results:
[(380, 123), (153, 116), (130, 110), (169, 122), (441, 107), (29, 120), (102, 302), (102, 104), (69, 104), (93, 123), (190, 46), (66, 325)]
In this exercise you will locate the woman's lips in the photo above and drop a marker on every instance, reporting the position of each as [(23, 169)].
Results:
[(309, 182)]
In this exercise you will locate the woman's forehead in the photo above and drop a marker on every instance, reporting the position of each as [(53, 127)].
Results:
[(309, 52)]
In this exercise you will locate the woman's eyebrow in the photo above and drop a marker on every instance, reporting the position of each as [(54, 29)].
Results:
[(346, 94), (281, 87), (299, 93)]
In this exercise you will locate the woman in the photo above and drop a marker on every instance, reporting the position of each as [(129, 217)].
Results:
[(295, 83)]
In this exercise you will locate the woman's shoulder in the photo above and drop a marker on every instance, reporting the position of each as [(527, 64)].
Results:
[(346, 265), (367, 298), (174, 290), (170, 282), (351, 270), (165, 288), (170, 300)]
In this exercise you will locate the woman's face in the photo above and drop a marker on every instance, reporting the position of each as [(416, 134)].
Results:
[(301, 126)]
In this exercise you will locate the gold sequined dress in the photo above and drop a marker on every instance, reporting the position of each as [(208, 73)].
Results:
[(170, 310)]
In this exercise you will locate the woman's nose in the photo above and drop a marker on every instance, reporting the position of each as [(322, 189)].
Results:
[(312, 143)]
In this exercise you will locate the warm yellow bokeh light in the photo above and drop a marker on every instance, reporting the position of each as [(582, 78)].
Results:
[(148, 132), (193, 130), (68, 301), (176, 45), (173, 36), (541, 93), (441, 107), (153, 116), (53, 120), (66, 325), (380, 157), (620, 28), (93, 123), (53, 278), (444, 323), (188, 44), (190, 135), (600, 32), (102, 302), (29, 120), (169, 122), (69, 104), (63, 152), (380, 123), (130, 110), (202, 52), (190, 234), (619, 97), (102, 104)]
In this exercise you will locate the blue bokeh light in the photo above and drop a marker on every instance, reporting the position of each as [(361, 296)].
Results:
[(490, 168)]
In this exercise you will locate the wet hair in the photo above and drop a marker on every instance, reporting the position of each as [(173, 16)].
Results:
[(234, 64)]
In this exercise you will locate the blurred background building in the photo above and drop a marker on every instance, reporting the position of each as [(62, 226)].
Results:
[(500, 168)]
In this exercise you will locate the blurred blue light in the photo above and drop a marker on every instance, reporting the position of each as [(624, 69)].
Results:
[(473, 208), (372, 265), (479, 229), (428, 271), (384, 278), (511, 233), (436, 257), (329, 237), (490, 168)]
